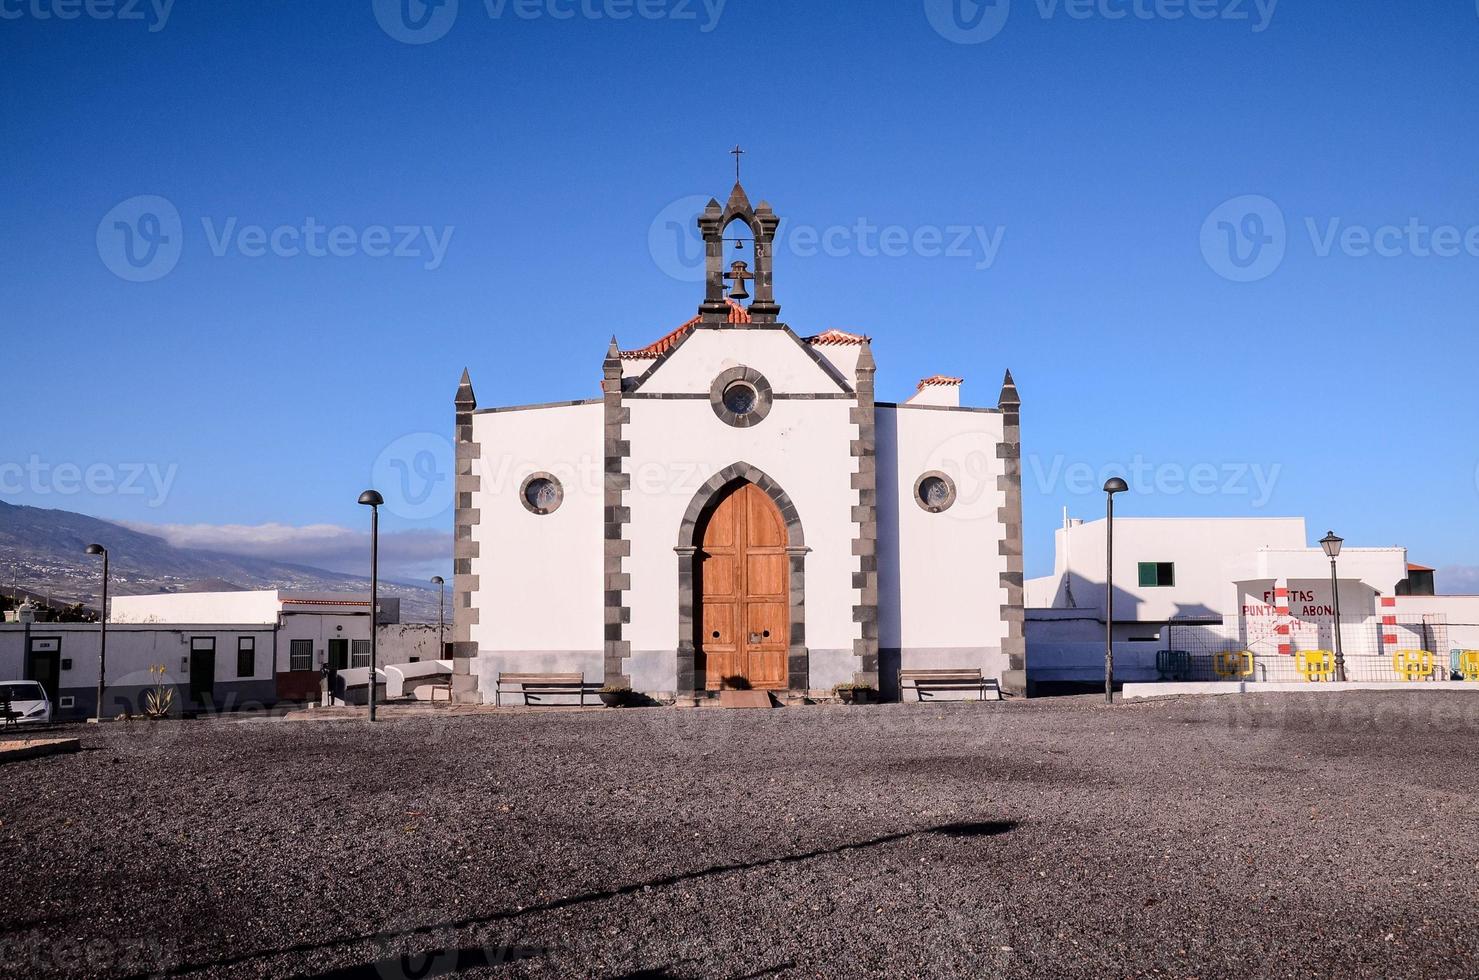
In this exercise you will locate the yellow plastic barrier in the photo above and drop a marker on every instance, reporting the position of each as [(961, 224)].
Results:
[(1413, 665), (1235, 664), (1468, 664), (1315, 665)]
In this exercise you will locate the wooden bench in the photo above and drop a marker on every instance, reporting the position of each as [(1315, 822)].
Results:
[(541, 685), (963, 679)]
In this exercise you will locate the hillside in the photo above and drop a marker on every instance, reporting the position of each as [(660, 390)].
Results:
[(43, 551)]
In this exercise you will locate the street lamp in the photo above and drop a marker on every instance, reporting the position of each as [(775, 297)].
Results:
[(97, 549), (1332, 544), (1113, 486), (373, 500), (441, 585)]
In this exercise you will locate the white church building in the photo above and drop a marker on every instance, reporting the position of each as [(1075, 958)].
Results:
[(734, 509)]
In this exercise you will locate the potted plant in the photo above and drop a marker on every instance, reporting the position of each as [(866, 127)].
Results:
[(854, 693), (616, 695)]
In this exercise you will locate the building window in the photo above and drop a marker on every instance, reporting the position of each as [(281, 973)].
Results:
[(360, 654), (741, 397), (1157, 574), (935, 492), (246, 656), (300, 655), (541, 494)]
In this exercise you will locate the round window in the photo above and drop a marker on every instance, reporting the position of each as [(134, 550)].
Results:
[(935, 492), (741, 398), (541, 494)]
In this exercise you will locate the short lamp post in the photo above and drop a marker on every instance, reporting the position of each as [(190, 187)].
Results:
[(373, 500), (97, 549), (1112, 487), (441, 585), (1332, 544)]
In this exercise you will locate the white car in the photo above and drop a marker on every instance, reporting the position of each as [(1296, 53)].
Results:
[(27, 703)]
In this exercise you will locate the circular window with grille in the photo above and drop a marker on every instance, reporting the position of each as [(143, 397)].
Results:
[(741, 397), (541, 494), (935, 492)]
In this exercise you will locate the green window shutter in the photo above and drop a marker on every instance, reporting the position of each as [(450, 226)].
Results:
[(1148, 574)]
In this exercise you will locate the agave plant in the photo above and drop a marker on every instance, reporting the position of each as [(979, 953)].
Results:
[(159, 701)]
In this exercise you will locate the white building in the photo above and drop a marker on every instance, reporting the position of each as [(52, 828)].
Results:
[(734, 508), (1224, 585), (219, 650)]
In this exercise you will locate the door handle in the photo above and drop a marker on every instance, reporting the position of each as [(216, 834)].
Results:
[(754, 637)]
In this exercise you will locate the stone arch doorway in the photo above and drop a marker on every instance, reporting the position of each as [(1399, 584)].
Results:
[(742, 574)]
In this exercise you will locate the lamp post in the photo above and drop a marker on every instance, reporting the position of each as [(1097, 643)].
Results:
[(26, 613), (97, 549), (1332, 544), (1113, 486), (373, 500), (441, 585)]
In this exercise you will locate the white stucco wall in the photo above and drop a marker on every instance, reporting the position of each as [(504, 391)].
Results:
[(540, 589), (1460, 613), (320, 629), (196, 607), (940, 591), (842, 357)]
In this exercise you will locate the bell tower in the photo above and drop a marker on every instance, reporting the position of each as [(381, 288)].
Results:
[(762, 224)]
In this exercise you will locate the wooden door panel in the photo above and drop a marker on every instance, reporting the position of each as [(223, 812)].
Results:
[(766, 643), (765, 576), (718, 577), (763, 527)]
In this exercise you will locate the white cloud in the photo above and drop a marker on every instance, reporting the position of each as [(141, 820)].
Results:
[(414, 553)]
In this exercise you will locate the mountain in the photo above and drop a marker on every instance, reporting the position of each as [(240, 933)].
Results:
[(43, 551)]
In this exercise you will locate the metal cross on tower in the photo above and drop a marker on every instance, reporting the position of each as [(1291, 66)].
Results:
[(737, 152)]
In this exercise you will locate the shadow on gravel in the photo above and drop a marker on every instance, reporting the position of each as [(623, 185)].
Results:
[(433, 963), (416, 964)]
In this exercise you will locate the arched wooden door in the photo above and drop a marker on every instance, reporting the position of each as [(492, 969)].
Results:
[(743, 576)]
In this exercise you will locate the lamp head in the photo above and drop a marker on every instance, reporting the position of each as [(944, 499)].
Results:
[(96, 549), (1332, 544), (371, 498), (1115, 485), (438, 580)]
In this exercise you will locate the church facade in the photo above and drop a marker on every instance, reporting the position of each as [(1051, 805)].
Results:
[(734, 509)]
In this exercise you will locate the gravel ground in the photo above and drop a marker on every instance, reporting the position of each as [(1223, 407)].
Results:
[(1326, 834)]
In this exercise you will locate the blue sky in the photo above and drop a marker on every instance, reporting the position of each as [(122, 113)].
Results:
[(528, 156)]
